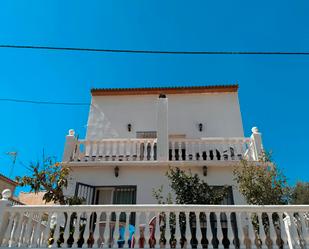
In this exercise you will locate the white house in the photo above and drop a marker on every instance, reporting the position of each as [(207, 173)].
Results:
[(135, 134), (133, 137)]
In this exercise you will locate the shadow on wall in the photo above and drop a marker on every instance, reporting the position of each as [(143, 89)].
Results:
[(98, 126)]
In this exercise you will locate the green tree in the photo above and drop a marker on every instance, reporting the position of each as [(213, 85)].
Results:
[(190, 189), (52, 178), (262, 184), (300, 193)]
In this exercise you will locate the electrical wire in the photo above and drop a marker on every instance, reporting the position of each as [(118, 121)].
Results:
[(44, 102), (154, 51)]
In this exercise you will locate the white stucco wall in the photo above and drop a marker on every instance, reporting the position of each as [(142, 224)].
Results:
[(218, 112), (147, 178), (108, 118)]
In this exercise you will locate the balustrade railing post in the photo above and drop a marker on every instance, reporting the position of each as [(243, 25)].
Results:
[(152, 150), (99, 151), (198, 229), (157, 230), (293, 230), (283, 233), (262, 233), (7, 236), (177, 230), (87, 229), (209, 235), (187, 148), (116, 150), (240, 229), (219, 230), (188, 231), (145, 150), (29, 230), (138, 151), (115, 236), (36, 232), (272, 232), (147, 228), (97, 239), (167, 229), (173, 150), (304, 227), (137, 228), (17, 230), (180, 152), (251, 233), (200, 151), (108, 230), (127, 231), (66, 233), (56, 225), (230, 234), (46, 233), (76, 229)]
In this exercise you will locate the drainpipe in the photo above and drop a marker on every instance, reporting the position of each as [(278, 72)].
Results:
[(162, 128)]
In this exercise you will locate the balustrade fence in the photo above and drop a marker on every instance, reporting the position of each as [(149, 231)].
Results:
[(209, 149), (155, 226)]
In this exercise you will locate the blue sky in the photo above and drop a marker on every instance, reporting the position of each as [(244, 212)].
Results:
[(273, 89)]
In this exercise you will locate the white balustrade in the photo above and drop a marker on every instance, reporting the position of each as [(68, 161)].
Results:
[(180, 149), (47, 226), (209, 149), (115, 150)]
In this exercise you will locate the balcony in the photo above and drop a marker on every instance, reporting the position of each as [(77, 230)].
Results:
[(154, 226), (178, 150)]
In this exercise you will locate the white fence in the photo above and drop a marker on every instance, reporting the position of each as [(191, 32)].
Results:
[(154, 226), (210, 149)]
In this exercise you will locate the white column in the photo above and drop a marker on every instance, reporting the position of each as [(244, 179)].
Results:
[(256, 139), (162, 128), (4, 217), (69, 146)]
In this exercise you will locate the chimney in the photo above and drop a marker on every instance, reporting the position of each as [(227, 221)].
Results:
[(162, 128)]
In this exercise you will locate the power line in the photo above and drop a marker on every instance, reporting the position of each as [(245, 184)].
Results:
[(155, 51), (44, 102)]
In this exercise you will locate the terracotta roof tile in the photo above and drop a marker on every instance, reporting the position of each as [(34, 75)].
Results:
[(166, 90), (5, 178)]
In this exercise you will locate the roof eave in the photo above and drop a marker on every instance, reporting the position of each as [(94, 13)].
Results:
[(165, 90)]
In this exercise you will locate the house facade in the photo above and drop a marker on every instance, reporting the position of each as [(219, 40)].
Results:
[(135, 135)]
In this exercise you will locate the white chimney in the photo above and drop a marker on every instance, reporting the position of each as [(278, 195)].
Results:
[(162, 128)]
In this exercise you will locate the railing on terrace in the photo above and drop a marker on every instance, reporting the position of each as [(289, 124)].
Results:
[(210, 149), (116, 150), (154, 226), (179, 149)]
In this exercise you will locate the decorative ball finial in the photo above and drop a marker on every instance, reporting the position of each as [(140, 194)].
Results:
[(255, 130), (71, 132), (6, 194)]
